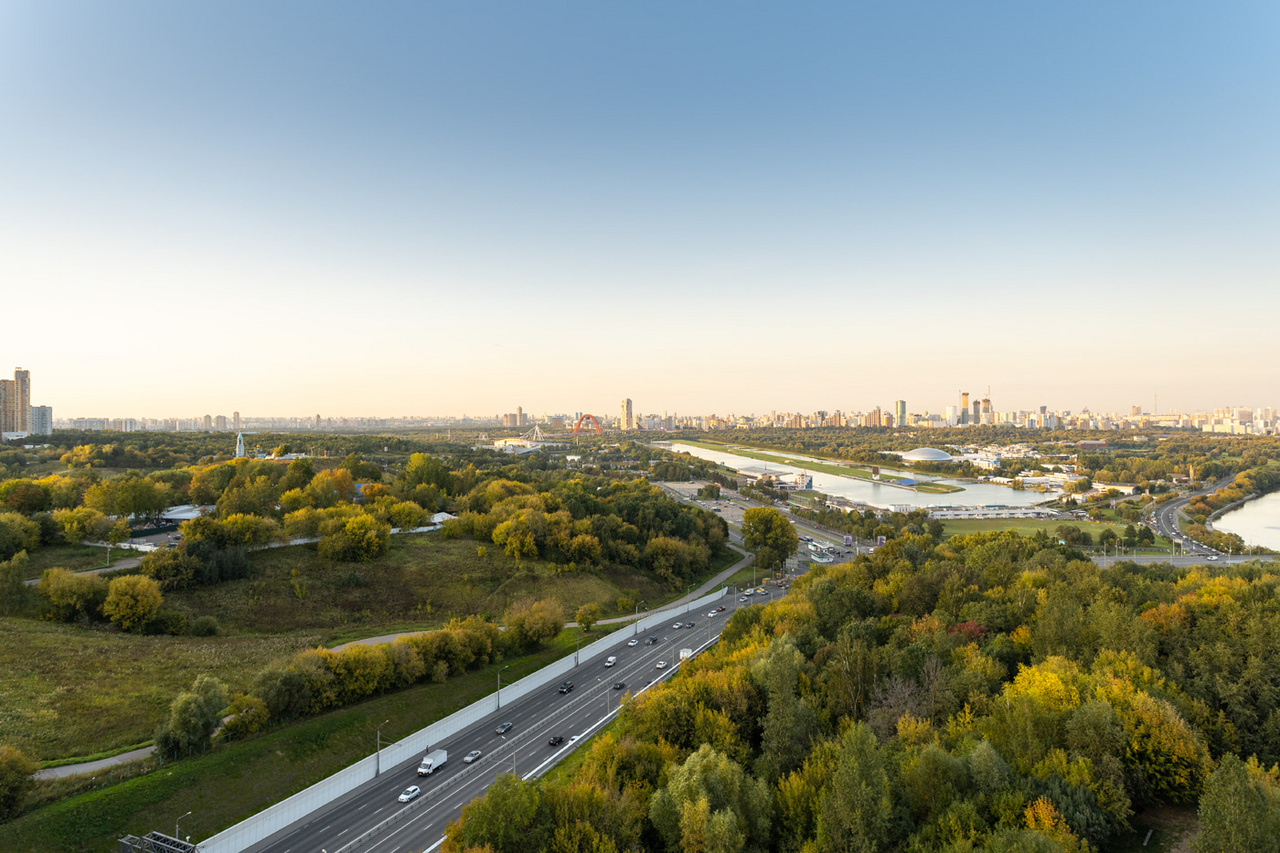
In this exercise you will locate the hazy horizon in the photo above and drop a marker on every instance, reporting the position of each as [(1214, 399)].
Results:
[(718, 207)]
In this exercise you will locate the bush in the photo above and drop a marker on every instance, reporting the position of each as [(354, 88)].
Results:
[(204, 626), (16, 780), (132, 601), (72, 596), (248, 715), (360, 538), (167, 621), (193, 718), (172, 568), (17, 533)]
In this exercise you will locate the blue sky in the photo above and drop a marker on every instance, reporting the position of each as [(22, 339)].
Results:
[(438, 208)]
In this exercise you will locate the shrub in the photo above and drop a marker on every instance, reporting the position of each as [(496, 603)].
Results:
[(72, 596), (359, 538), (204, 626), (132, 601), (193, 718), (16, 780)]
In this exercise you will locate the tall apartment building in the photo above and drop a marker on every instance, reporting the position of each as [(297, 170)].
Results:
[(626, 420), (900, 413), (15, 402), (964, 407), (42, 420)]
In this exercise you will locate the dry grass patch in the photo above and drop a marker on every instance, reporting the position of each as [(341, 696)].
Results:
[(67, 690)]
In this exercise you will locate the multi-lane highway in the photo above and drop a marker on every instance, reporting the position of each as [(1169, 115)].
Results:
[(372, 820), (1164, 520)]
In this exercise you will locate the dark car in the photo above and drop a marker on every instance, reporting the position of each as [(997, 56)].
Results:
[(690, 624), (504, 728), (618, 685), (652, 641), (555, 741), (566, 687)]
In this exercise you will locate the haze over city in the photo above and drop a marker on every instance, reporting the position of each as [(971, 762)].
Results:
[(458, 208)]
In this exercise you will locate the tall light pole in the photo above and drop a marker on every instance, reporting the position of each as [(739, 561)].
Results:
[(175, 826), (500, 684), (377, 761)]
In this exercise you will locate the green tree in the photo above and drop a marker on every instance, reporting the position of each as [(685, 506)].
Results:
[(356, 539), (132, 601), (710, 803), (16, 780), (12, 587), (509, 818), (17, 533), (194, 716), (856, 806), (532, 623), (72, 596), (1240, 809), (769, 535)]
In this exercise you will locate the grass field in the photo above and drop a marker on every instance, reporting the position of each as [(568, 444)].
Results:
[(1029, 526), (66, 690), (77, 558), (422, 582), (241, 779), (72, 690)]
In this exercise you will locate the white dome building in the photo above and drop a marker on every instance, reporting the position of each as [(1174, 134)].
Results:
[(927, 454)]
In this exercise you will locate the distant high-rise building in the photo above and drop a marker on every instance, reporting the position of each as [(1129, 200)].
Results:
[(317, 426), (900, 413), (42, 420), (235, 421), (964, 407), (208, 423), (220, 423), (977, 412), (626, 421), (15, 402)]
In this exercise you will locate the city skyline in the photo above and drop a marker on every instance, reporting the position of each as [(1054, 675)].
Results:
[(722, 208)]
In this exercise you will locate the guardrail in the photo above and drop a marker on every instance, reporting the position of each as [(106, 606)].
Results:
[(271, 820)]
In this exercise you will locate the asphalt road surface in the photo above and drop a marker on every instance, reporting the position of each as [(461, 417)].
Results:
[(1164, 518), (371, 820)]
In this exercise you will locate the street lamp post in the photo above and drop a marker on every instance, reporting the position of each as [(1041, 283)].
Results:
[(377, 761), (500, 685), (175, 826)]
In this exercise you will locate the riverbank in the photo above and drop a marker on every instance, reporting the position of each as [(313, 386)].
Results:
[(1255, 519)]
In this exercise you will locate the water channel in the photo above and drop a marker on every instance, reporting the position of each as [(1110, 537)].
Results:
[(1257, 522), (876, 494)]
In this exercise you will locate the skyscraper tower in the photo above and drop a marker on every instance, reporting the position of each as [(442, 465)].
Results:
[(22, 403), (625, 419), (900, 413), (964, 407)]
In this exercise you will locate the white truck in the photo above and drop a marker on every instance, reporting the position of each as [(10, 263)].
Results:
[(685, 654), (432, 762)]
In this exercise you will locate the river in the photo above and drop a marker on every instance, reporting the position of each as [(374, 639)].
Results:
[(873, 493), (1257, 522)]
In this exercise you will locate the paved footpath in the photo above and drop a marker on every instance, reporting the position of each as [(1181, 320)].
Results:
[(144, 752)]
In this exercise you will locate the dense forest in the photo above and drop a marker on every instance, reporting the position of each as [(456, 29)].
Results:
[(982, 693)]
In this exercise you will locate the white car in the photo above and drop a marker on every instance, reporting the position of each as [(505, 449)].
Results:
[(410, 793), (1213, 556), (678, 625), (610, 661), (471, 756), (633, 642), (662, 664)]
